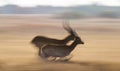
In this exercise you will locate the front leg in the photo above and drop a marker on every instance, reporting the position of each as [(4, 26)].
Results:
[(52, 58), (66, 58)]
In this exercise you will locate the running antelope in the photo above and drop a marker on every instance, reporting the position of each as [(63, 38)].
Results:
[(59, 50), (40, 41)]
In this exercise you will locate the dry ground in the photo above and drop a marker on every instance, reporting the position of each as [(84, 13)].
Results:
[(101, 51)]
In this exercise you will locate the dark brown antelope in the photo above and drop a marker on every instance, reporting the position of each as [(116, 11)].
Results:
[(39, 41), (59, 50)]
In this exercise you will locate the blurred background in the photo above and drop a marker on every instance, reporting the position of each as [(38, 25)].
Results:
[(96, 21)]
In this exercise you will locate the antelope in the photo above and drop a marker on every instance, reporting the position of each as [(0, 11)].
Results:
[(59, 50), (40, 41)]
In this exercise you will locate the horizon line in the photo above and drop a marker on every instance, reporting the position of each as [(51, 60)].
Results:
[(61, 6)]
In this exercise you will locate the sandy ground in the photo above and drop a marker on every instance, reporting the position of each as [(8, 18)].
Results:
[(101, 51)]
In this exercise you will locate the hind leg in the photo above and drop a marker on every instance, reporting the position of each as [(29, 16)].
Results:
[(43, 56), (39, 52)]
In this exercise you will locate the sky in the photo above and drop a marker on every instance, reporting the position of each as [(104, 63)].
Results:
[(29, 3)]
